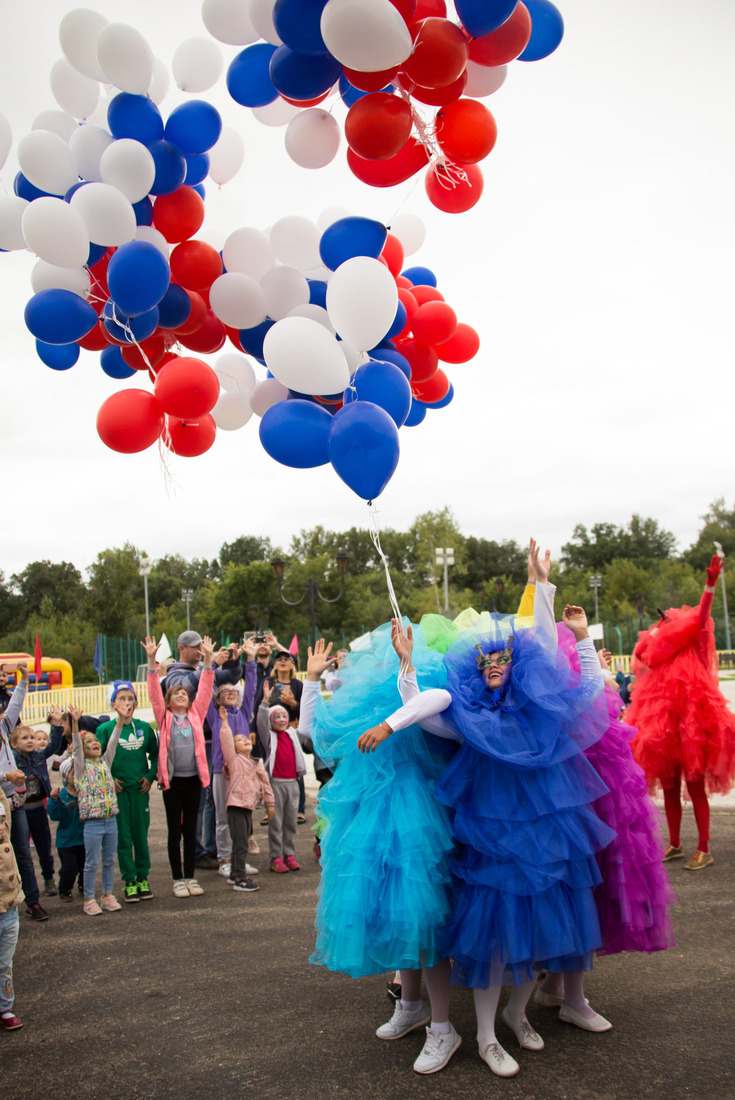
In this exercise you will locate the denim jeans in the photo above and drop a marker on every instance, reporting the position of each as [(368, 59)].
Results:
[(40, 831), (206, 844), (20, 838), (100, 835), (8, 940)]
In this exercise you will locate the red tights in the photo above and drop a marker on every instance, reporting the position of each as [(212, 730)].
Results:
[(700, 805)]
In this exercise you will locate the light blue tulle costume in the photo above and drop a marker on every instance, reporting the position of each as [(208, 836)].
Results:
[(386, 840)]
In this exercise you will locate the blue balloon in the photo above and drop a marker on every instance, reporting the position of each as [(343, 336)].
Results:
[(298, 23), (95, 254), (143, 211), (349, 94), (303, 76), (170, 167), (59, 316), (317, 292), (386, 355), (399, 321), (547, 30), (197, 169), (296, 433), (481, 17), (174, 308), (57, 356), (24, 189), (364, 447), (128, 330), (134, 116), (138, 276), (200, 190), (420, 276), (348, 237), (113, 364), (416, 415), (248, 78), (193, 127), (443, 402), (252, 339), (383, 384), (74, 188)]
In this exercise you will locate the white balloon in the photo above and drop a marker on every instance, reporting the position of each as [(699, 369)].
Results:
[(285, 288), (330, 215), (410, 230), (228, 21), (127, 165), (57, 122), (249, 251), (312, 138), (78, 33), (355, 358), (153, 236), (232, 411), (46, 276), (161, 81), (260, 13), (266, 394), (238, 300), (56, 232), (362, 298), (278, 113), (369, 37), (235, 372), (316, 313), (74, 93), (12, 208), (226, 156), (88, 143), (295, 241), (107, 214), (302, 354), (483, 80), (197, 64), (6, 138), (47, 162), (125, 58)]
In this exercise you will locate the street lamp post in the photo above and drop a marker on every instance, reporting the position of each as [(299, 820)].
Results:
[(718, 548), (144, 569), (500, 589), (596, 582), (445, 558), (481, 594), (311, 588), (187, 595), (640, 600), (261, 619)]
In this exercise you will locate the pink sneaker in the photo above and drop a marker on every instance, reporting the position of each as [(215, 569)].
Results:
[(91, 908), (109, 903), (279, 866), (292, 863)]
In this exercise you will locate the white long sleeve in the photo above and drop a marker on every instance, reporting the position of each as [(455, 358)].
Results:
[(543, 614), (589, 662), (309, 697), (423, 709)]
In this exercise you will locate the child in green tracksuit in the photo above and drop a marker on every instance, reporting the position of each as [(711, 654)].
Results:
[(134, 770)]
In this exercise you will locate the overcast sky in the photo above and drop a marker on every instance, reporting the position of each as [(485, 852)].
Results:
[(597, 268)]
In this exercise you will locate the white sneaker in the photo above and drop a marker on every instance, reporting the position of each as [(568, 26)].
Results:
[(404, 1020), (499, 1060), (524, 1033), (224, 869), (193, 887), (250, 870), (438, 1049)]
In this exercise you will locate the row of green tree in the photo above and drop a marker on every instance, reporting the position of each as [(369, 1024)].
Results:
[(638, 567)]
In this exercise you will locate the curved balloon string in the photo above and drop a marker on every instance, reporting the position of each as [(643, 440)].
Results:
[(375, 537)]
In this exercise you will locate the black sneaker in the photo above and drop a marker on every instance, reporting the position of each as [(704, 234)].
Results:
[(130, 892), (207, 863), (245, 886), (63, 896), (36, 912), (49, 887)]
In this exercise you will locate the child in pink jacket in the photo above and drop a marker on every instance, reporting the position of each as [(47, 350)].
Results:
[(246, 780), (182, 761)]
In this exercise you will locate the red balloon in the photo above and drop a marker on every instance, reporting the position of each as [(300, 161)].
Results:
[(403, 283), (387, 173), (393, 254), (506, 43), (189, 438), (433, 323), (233, 335), (154, 349), (98, 273), (407, 8), (461, 347), (433, 389), (451, 193), (437, 97), (129, 421), (406, 295), (439, 54), (424, 360), (306, 102), (208, 338), (466, 131), (195, 319), (426, 294), (369, 82), (96, 339), (178, 215), (186, 387), (378, 125), (427, 8), (195, 265)]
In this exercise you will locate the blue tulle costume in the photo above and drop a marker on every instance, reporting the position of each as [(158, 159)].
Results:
[(520, 788), (386, 839)]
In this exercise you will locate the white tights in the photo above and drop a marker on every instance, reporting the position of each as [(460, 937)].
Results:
[(486, 1007)]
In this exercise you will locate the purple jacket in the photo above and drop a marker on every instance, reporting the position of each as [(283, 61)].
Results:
[(238, 717)]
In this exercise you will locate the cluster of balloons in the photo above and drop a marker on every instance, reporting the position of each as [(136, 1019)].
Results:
[(410, 74)]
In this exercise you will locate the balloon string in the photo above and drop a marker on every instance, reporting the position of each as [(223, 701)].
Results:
[(375, 536), (165, 450)]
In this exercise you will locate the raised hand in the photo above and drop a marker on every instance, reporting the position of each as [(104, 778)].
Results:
[(318, 659), (604, 656), (267, 691), (402, 643), (576, 619), (538, 565), (248, 649), (208, 651), (23, 670), (150, 645), (713, 570)]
